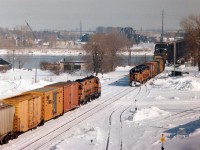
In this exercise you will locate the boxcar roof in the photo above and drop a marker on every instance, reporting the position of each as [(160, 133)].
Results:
[(44, 89), (60, 84), (19, 98)]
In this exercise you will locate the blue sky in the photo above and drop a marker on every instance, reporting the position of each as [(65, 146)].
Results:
[(67, 14)]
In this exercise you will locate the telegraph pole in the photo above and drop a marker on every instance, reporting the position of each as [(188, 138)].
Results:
[(13, 64), (80, 29), (162, 25), (174, 56), (35, 71)]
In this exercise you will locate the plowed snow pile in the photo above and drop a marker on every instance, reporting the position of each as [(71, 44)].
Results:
[(149, 113)]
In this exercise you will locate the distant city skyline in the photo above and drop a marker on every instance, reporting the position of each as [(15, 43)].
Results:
[(67, 14)]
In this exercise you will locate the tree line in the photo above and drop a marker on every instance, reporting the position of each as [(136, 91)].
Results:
[(191, 26)]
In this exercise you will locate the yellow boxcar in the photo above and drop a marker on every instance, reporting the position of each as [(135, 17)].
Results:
[(154, 68), (27, 111), (52, 101), (161, 64)]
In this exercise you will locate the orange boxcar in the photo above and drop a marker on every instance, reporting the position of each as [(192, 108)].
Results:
[(70, 94), (27, 111), (52, 101)]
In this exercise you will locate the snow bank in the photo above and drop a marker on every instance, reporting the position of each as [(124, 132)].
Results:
[(179, 83), (87, 138), (148, 113)]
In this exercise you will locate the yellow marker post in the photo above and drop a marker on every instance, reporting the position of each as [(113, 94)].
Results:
[(162, 139)]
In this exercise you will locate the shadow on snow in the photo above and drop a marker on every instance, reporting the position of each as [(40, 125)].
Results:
[(121, 82), (184, 130)]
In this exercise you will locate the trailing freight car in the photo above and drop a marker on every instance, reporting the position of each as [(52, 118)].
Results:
[(70, 94), (7, 113), (161, 49), (180, 52), (166, 51)]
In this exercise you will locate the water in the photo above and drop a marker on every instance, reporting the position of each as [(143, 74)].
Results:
[(33, 61)]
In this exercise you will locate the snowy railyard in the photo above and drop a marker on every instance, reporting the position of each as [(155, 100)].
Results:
[(169, 105)]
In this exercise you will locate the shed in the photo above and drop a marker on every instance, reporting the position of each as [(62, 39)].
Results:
[(72, 65), (4, 65)]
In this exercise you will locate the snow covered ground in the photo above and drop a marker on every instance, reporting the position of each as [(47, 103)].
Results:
[(169, 105)]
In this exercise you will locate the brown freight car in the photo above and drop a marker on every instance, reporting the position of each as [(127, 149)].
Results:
[(89, 89), (27, 111), (6, 122), (153, 66), (52, 101), (160, 65), (70, 94)]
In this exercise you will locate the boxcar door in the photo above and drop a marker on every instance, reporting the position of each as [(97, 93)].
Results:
[(54, 102)]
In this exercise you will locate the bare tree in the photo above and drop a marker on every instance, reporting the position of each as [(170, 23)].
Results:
[(191, 25), (103, 49), (96, 49)]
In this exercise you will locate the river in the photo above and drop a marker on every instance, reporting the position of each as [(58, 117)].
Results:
[(33, 61)]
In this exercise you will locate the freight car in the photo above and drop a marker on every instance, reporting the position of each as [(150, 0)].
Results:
[(161, 49), (180, 52), (141, 73), (52, 101), (27, 111), (70, 94), (6, 124), (166, 50), (30, 109)]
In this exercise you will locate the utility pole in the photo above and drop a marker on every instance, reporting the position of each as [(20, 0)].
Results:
[(174, 57), (35, 71), (162, 25), (13, 64), (80, 29)]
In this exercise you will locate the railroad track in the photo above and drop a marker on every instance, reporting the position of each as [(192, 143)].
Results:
[(65, 126), (121, 120), (109, 132)]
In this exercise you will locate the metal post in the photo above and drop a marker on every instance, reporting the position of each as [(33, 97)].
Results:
[(35, 71), (162, 25), (174, 56), (13, 64)]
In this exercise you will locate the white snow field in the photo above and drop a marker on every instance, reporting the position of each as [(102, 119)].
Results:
[(169, 105)]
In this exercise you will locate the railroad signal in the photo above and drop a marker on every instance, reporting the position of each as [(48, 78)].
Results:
[(162, 139)]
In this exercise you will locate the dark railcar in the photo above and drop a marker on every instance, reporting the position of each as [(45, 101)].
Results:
[(180, 52)]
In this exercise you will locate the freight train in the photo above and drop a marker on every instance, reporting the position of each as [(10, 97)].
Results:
[(33, 108), (163, 52), (143, 72)]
